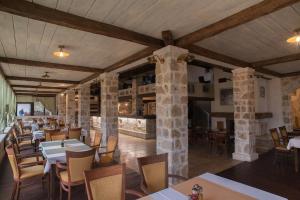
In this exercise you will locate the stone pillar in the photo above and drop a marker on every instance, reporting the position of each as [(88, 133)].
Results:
[(84, 94), (61, 106), (244, 114), (109, 105), (70, 107), (136, 100), (171, 108)]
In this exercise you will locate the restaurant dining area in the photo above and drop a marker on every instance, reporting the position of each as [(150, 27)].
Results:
[(149, 99)]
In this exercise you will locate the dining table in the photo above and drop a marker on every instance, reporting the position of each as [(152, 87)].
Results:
[(214, 188), (54, 151), (294, 143)]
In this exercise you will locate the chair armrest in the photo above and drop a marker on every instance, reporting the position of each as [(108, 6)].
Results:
[(135, 193), (177, 177), (61, 166), (31, 164), (107, 152), (144, 189)]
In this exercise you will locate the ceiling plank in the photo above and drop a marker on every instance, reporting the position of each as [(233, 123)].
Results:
[(283, 59), (36, 86), (53, 16), (244, 16), (41, 80), (227, 59), (48, 65), (139, 55)]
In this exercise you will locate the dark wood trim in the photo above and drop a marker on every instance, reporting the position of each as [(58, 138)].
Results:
[(229, 115), (53, 16), (40, 95), (258, 10), (41, 80), (283, 59), (207, 65), (167, 37), (36, 86), (33, 63), (297, 73), (34, 91), (139, 55), (192, 98)]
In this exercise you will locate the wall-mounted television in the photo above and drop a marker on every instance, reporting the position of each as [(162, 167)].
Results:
[(24, 109)]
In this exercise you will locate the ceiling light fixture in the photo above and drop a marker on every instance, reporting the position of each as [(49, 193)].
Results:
[(46, 75), (61, 53), (295, 38)]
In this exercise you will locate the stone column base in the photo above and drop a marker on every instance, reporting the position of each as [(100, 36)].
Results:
[(245, 157)]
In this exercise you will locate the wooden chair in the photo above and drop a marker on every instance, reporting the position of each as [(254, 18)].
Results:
[(221, 140), (24, 141), (284, 135), (95, 140), (23, 171), (77, 163), (107, 157), (108, 183), (74, 133), (49, 132), (57, 136), (154, 173), (280, 150)]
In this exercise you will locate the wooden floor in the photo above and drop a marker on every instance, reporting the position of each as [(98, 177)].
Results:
[(261, 173)]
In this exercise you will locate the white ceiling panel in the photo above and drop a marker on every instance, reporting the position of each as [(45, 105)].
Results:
[(37, 72), (260, 39), (18, 82), (36, 89), (285, 67)]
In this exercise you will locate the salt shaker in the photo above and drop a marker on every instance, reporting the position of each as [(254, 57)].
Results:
[(197, 193)]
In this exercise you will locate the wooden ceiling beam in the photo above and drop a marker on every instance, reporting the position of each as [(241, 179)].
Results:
[(41, 80), (167, 37), (34, 91), (273, 61), (89, 78), (39, 95), (53, 16), (36, 86), (258, 10), (227, 59), (297, 73), (139, 55), (48, 65)]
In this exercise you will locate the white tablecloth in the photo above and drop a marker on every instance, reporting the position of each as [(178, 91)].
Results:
[(53, 151), (294, 142), (171, 194), (38, 135)]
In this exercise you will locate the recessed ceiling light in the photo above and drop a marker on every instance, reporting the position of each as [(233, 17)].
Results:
[(61, 53)]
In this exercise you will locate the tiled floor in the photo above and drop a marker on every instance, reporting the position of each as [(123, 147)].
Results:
[(200, 158)]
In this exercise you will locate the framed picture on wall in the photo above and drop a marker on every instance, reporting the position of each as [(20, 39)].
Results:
[(226, 96), (262, 92)]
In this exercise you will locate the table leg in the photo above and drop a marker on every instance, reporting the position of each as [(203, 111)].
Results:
[(296, 160)]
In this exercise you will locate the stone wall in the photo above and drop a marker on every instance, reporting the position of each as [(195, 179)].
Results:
[(84, 94), (61, 106), (136, 101), (171, 108), (109, 105), (244, 114), (70, 107), (289, 86)]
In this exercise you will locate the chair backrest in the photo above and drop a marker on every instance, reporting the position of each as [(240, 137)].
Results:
[(74, 133), (57, 135), (94, 139), (220, 125), (275, 137), (283, 132), (154, 172), (78, 162), (48, 132), (112, 143), (13, 161), (106, 183)]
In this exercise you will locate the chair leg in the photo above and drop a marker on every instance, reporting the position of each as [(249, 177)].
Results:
[(60, 192), (18, 190), (13, 194), (69, 193)]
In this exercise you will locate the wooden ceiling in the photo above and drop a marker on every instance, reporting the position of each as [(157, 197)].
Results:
[(107, 35)]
